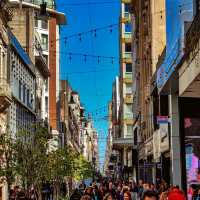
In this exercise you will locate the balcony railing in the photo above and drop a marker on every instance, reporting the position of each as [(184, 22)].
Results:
[(129, 76), (126, 17), (123, 141), (126, 1), (128, 116), (127, 57), (129, 98), (127, 35)]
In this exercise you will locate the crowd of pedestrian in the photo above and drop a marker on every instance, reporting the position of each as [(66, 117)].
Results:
[(121, 190)]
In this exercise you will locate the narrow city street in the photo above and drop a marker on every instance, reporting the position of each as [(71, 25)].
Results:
[(99, 99)]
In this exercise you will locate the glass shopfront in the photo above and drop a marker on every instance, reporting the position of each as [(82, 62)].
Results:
[(192, 150)]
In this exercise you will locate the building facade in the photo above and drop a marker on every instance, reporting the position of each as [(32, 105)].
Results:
[(5, 89), (149, 40), (38, 32), (124, 142), (178, 80), (78, 131)]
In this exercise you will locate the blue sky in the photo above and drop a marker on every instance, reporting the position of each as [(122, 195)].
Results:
[(91, 79)]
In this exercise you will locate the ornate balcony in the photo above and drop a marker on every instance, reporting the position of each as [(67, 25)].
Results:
[(127, 37), (126, 1), (121, 142), (128, 98), (127, 57), (5, 95), (126, 17)]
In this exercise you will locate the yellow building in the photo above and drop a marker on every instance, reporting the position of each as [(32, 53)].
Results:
[(124, 142)]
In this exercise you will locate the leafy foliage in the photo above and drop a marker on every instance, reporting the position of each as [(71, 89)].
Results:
[(26, 157), (7, 158), (83, 169)]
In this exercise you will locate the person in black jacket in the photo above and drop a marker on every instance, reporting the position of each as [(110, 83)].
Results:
[(76, 195)]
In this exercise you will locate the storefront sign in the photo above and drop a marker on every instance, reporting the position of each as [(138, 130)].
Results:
[(160, 141), (164, 137), (149, 148), (156, 146), (162, 119)]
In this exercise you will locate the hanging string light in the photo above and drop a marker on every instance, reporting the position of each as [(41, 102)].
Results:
[(80, 38), (85, 58), (111, 29), (112, 60), (65, 42), (70, 57), (95, 33)]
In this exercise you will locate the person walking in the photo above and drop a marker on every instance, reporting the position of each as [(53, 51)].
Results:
[(150, 195), (76, 195), (127, 195), (176, 194), (135, 191), (108, 196)]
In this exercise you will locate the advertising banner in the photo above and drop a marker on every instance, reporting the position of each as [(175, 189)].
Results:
[(192, 149)]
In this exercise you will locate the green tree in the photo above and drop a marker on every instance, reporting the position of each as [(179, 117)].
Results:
[(7, 159), (82, 168), (60, 166), (31, 157)]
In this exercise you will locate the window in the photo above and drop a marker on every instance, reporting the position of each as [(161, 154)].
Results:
[(28, 97), (128, 68), (46, 86), (128, 47), (128, 88), (129, 130), (46, 59), (46, 104), (36, 23), (129, 109), (44, 24), (20, 90), (126, 7), (44, 41), (197, 6), (24, 93), (128, 27)]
